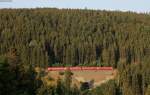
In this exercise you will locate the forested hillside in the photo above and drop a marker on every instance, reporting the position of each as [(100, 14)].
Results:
[(62, 37), (46, 36)]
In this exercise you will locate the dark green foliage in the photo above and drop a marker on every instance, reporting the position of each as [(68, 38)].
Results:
[(15, 79), (7, 82), (109, 88)]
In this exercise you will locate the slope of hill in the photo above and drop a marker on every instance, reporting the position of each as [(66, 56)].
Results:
[(45, 37)]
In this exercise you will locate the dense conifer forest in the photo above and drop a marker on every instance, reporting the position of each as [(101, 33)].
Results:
[(31, 38)]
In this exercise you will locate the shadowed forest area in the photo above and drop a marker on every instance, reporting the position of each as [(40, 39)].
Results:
[(31, 38)]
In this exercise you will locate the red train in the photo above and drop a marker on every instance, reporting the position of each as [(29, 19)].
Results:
[(78, 68)]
